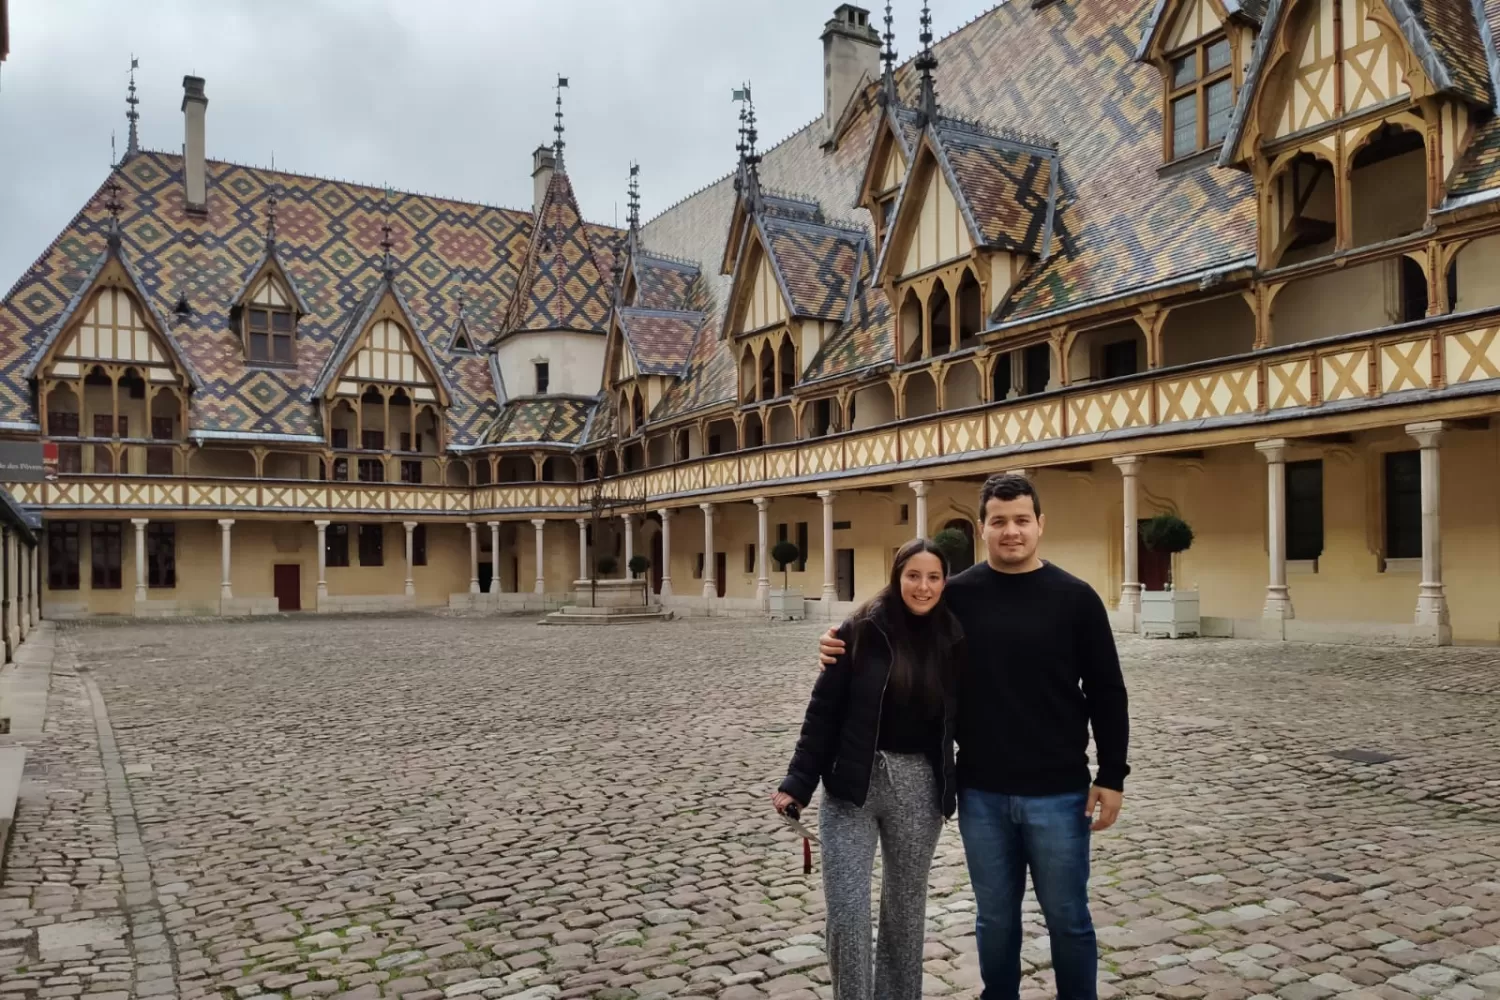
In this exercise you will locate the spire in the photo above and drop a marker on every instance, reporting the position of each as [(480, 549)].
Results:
[(926, 62), (385, 238), (635, 197), (888, 56), (557, 146), (748, 181), (133, 143)]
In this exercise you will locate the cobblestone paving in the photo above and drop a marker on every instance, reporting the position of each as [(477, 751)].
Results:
[(432, 807)]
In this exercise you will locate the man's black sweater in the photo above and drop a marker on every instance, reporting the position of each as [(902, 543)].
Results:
[(1041, 667)]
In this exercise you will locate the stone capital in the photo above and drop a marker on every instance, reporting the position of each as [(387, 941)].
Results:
[(472, 526), (141, 522), (582, 522), (1129, 465), (321, 525), (1274, 450), (539, 523), (707, 508), (827, 497), (666, 514), (762, 504), (410, 526), (1428, 433), (920, 487), (493, 524), (226, 523)]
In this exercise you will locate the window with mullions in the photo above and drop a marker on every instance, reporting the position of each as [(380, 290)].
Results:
[(1200, 97), (270, 324), (62, 555)]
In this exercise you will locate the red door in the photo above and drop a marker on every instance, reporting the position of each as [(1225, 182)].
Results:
[(288, 585), (1153, 567)]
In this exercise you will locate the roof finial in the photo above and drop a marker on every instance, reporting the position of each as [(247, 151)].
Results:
[(926, 62), (888, 56), (271, 221), (133, 142), (113, 206), (385, 234), (635, 197), (747, 181), (557, 147)]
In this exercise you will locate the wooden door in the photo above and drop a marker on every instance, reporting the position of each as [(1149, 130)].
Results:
[(1153, 567), (844, 574), (288, 586), (721, 571)]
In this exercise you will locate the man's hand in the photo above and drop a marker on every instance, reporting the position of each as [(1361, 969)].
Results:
[(830, 648), (1104, 807)]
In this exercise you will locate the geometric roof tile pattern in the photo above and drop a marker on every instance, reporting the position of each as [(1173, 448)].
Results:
[(662, 283), (562, 286), (661, 341), (1005, 187), (556, 420), (817, 264)]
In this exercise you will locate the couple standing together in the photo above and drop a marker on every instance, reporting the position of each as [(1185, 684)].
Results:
[(1012, 659)]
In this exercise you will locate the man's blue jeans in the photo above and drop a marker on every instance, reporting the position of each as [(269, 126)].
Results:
[(1004, 835)]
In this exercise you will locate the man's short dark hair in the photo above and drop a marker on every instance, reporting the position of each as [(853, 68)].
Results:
[(1007, 486)]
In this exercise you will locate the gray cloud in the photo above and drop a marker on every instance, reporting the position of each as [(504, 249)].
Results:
[(439, 96)]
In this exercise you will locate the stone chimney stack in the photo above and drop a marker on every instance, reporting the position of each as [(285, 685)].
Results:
[(543, 165), (851, 53), (194, 169)]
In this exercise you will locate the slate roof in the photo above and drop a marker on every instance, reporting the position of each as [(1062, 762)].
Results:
[(661, 340)]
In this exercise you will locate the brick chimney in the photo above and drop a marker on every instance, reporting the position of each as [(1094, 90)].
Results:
[(851, 53), (543, 165), (194, 169)]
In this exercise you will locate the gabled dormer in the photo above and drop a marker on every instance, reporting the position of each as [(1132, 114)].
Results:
[(890, 156), (974, 211), (1353, 134), (266, 313), (1201, 49)]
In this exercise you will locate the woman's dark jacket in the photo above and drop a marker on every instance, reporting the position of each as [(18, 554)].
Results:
[(839, 732)]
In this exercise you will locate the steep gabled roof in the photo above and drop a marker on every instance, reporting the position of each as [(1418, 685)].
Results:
[(1251, 10), (561, 286), (660, 340), (816, 265), (113, 253), (1444, 35), (1007, 187), (272, 259), (661, 282), (354, 331)]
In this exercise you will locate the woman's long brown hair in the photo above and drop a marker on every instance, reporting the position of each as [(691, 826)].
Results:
[(921, 670)]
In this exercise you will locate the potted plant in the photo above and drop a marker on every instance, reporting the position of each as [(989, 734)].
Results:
[(955, 546), (786, 602), (637, 566), (1171, 612)]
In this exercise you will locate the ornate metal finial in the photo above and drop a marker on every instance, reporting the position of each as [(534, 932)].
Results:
[(271, 221), (133, 141), (557, 147), (635, 197), (888, 56), (747, 181), (113, 205), (926, 62), (385, 235)]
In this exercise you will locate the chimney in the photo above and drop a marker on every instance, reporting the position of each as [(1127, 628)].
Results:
[(543, 164), (851, 53), (194, 170)]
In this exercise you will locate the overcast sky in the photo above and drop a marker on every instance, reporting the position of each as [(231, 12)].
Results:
[(445, 97)]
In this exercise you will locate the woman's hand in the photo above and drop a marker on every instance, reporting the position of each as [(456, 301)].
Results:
[(781, 800)]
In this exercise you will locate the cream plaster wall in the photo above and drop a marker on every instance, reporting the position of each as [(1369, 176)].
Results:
[(1478, 265), (575, 362), (1347, 301)]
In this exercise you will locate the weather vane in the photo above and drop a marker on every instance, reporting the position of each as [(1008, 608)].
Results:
[(133, 142), (557, 147)]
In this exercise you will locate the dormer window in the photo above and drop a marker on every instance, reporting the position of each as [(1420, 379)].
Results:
[(1200, 96), (270, 324)]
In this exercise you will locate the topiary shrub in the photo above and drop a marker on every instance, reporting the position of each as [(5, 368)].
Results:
[(784, 553), (1167, 533), (638, 565), (606, 565), (954, 545)]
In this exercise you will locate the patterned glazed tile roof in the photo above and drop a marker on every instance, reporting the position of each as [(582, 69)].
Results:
[(1005, 187), (358, 320), (328, 240), (1251, 10), (558, 420), (663, 283), (867, 339), (661, 340), (817, 264), (562, 285)]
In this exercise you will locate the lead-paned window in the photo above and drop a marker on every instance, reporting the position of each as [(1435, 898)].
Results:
[(1200, 97)]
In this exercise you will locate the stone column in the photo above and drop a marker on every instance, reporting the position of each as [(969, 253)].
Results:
[(666, 553), (36, 581), (7, 595), (322, 527), (541, 570), (23, 584), (494, 556), (1432, 598), (1130, 586), (830, 586), (583, 548), (709, 588), (920, 489), (762, 557), (411, 585), (224, 527), (629, 520), (473, 557), (1278, 595), (140, 556)]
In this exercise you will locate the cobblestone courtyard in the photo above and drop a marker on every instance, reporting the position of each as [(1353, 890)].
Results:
[(425, 805)]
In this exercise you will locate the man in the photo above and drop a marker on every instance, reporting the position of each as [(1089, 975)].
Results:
[(1042, 668)]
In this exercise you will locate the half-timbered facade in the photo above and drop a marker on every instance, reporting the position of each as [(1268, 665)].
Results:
[(1236, 260)]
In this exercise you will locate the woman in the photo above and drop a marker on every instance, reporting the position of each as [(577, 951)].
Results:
[(879, 735)]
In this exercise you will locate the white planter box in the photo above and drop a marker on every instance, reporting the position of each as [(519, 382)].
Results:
[(788, 605), (1169, 614)]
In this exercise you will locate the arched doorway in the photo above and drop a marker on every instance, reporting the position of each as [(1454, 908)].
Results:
[(965, 527)]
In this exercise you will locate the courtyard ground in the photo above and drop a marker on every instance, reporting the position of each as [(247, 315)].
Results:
[(435, 805)]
